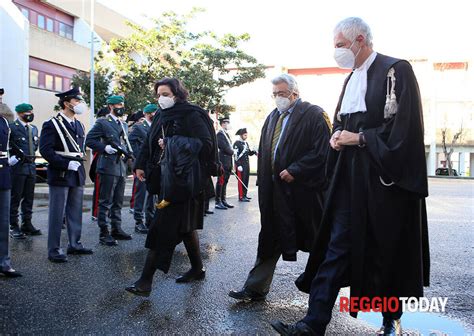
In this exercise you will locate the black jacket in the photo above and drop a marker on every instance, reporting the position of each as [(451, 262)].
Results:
[(225, 150)]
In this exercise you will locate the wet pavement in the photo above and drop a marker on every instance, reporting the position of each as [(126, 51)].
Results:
[(86, 295)]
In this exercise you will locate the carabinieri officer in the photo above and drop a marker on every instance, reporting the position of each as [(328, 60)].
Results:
[(109, 138), (62, 145), (23, 146)]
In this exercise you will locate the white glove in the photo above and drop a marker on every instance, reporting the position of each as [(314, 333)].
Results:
[(13, 160), (110, 150), (240, 169), (73, 165)]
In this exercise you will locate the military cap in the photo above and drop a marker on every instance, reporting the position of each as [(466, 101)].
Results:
[(69, 94), (115, 99), (23, 108), (241, 131), (150, 108)]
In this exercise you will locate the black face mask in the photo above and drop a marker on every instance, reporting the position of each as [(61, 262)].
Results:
[(118, 111), (28, 117)]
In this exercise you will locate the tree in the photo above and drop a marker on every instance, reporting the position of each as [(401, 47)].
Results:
[(102, 83), (449, 151), (207, 64)]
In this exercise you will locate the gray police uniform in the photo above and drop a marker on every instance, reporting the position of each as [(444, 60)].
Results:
[(60, 141), (23, 144), (143, 199), (111, 168), (5, 186)]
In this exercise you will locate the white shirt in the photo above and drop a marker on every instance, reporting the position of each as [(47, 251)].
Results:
[(354, 95), (69, 120)]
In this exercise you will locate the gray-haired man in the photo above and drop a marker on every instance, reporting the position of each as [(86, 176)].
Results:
[(291, 178)]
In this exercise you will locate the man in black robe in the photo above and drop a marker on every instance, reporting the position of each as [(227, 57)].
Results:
[(291, 179), (374, 234)]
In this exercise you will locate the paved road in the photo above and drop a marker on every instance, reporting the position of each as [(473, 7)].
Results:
[(86, 296)]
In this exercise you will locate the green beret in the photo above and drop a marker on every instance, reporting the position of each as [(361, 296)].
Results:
[(115, 100), (150, 108), (23, 108)]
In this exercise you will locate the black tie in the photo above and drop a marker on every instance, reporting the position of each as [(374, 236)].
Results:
[(73, 125)]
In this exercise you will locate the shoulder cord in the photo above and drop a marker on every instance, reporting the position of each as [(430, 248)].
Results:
[(61, 135), (391, 105)]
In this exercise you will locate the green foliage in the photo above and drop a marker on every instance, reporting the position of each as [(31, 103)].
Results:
[(102, 81), (207, 64)]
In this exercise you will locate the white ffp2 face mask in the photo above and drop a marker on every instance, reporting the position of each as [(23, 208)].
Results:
[(166, 102), (282, 103), (80, 108), (345, 57)]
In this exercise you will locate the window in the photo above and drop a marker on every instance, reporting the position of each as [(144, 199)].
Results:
[(25, 12), (65, 30), (49, 25), (48, 82), (34, 78), (58, 83), (41, 21)]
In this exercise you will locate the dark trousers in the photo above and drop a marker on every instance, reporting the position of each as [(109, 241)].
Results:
[(5, 261), (111, 191), (260, 276), (221, 186), (22, 195), (334, 272), (144, 203), (244, 176)]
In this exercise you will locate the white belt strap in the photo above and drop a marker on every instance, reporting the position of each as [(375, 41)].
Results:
[(63, 139), (71, 139), (125, 136), (71, 154)]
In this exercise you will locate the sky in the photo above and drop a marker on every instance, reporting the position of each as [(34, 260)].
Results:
[(299, 33)]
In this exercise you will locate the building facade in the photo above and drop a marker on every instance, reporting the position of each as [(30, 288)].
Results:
[(51, 41)]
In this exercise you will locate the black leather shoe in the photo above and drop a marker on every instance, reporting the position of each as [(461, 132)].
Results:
[(119, 234), (297, 329), (209, 212), (243, 199), (16, 233), (390, 327), (106, 239), (58, 259), (191, 276), (30, 230), (79, 251), (221, 206), (11, 273), (141, 228), (137, 291), (230, 206), (249, 198), (246, 295)]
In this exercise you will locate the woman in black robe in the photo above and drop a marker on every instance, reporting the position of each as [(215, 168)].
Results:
[(178, 221)]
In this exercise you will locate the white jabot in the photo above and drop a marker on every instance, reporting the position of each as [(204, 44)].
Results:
[(354, 96)]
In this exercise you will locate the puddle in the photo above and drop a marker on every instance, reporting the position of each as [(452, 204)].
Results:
[(426, 324)]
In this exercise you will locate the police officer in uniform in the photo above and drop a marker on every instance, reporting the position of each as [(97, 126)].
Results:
[(242, 166), (109, 137), (6, 268), (142, 199), (23, 146), (225, 156), (62, 145)]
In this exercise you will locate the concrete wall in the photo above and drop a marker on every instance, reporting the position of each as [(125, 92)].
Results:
[(44, 102), (14, 70), (54, 48)]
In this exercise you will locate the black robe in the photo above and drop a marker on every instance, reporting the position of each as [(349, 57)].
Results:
[(389, 236), (302, 151)]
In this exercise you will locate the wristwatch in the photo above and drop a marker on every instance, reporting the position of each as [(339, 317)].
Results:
[(362, 141)]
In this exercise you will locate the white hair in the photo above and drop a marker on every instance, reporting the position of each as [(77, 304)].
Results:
[(353, 27), (288, 79)]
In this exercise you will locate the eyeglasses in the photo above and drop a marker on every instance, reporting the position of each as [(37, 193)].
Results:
[(285, 94)]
